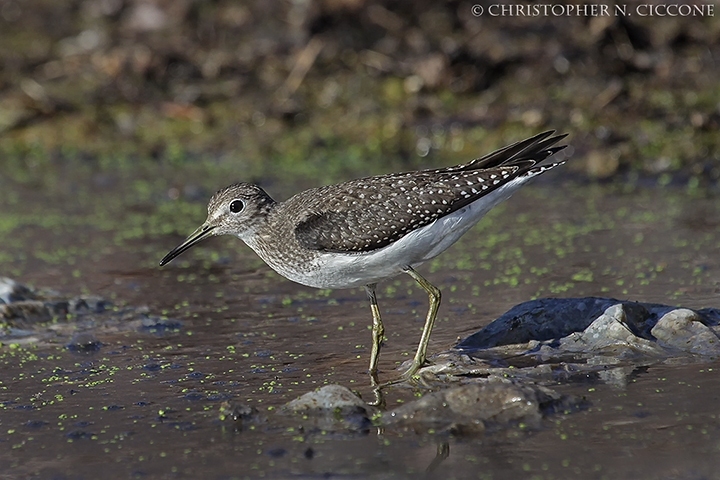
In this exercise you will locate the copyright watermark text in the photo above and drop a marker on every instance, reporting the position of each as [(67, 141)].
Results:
[(594, 10)]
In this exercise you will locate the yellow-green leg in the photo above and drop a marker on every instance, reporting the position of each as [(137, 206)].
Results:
[(434, 297), (378, 332)]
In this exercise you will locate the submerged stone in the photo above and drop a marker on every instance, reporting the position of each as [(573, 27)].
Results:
[(84, 342), (242, 416), (487, 404), (159, 325), (88, 304)]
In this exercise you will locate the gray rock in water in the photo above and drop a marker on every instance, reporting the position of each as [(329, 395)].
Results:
[(610, 334), (331, 408), (608, 329), (683, 329), (679, 335), (476, 407), (328, 398)]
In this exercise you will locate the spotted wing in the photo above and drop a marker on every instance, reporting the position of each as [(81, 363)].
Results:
[(371, 213), (359, 217)]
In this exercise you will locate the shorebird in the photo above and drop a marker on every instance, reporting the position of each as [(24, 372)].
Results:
[(358, 233)]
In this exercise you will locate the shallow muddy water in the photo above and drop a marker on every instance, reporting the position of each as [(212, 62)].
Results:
[(146, 403)]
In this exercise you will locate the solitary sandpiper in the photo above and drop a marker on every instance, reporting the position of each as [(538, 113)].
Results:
[(363, 231)]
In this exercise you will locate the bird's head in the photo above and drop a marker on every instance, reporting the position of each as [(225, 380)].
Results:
[(235, 210)]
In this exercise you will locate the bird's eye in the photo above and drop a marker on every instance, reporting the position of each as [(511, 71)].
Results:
[(236, 206)]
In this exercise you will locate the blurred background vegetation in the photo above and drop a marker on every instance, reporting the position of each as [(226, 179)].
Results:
[(317, 91)]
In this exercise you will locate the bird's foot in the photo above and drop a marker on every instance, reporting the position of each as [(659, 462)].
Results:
[(409, 376)]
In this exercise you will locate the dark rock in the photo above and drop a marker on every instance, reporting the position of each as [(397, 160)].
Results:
[(90, 304), (241, 415), (160, 325), (555, 318), (24, 313), (84, 342), (11, 291), (542, 319)]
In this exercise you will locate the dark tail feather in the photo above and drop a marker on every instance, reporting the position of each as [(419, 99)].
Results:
[(536, 148)]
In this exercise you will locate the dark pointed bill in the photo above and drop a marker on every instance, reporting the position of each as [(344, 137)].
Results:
[(196, 237)]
